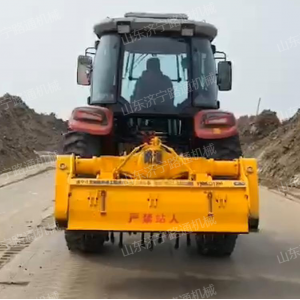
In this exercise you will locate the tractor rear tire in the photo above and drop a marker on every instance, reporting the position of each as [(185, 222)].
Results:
[(84, 241), (86, 146), (216, 244), (229, 148), (81, 144), (225, 149), (221, 244)]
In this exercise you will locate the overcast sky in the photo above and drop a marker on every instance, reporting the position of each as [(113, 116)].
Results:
[(40, 42)]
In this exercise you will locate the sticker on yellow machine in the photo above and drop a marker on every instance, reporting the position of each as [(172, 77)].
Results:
[(172, 221), (160, 183), (150, 218)]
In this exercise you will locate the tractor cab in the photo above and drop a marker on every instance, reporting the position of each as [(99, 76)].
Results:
[(155, 64), (154, 73)]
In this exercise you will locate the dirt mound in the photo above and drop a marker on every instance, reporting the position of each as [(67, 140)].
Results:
[(276, 145), (244, 122), (265, 123), (253, 128), (23, 131)]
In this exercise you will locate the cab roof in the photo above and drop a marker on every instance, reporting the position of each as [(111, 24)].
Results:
[(171, 23)]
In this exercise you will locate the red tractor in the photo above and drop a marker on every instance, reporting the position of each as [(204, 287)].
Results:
[(154, 75)]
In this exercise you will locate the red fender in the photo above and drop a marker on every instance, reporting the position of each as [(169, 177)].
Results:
[(94, 120), (215, 124)]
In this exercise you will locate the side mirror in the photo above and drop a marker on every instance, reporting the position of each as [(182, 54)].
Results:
[(225, 75), (84, 70)]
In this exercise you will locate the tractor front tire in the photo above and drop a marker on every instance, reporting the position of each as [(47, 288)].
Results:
[(86, 146)]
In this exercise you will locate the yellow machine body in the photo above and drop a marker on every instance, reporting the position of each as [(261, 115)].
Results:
[(153, 189)]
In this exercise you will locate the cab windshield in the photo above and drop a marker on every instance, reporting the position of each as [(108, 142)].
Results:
[(158, 74)]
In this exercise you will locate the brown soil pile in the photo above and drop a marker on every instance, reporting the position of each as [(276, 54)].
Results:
[(24, 131), (255, 128), (276, 145)]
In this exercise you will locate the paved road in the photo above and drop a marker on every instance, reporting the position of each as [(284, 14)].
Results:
[(41, 266)]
